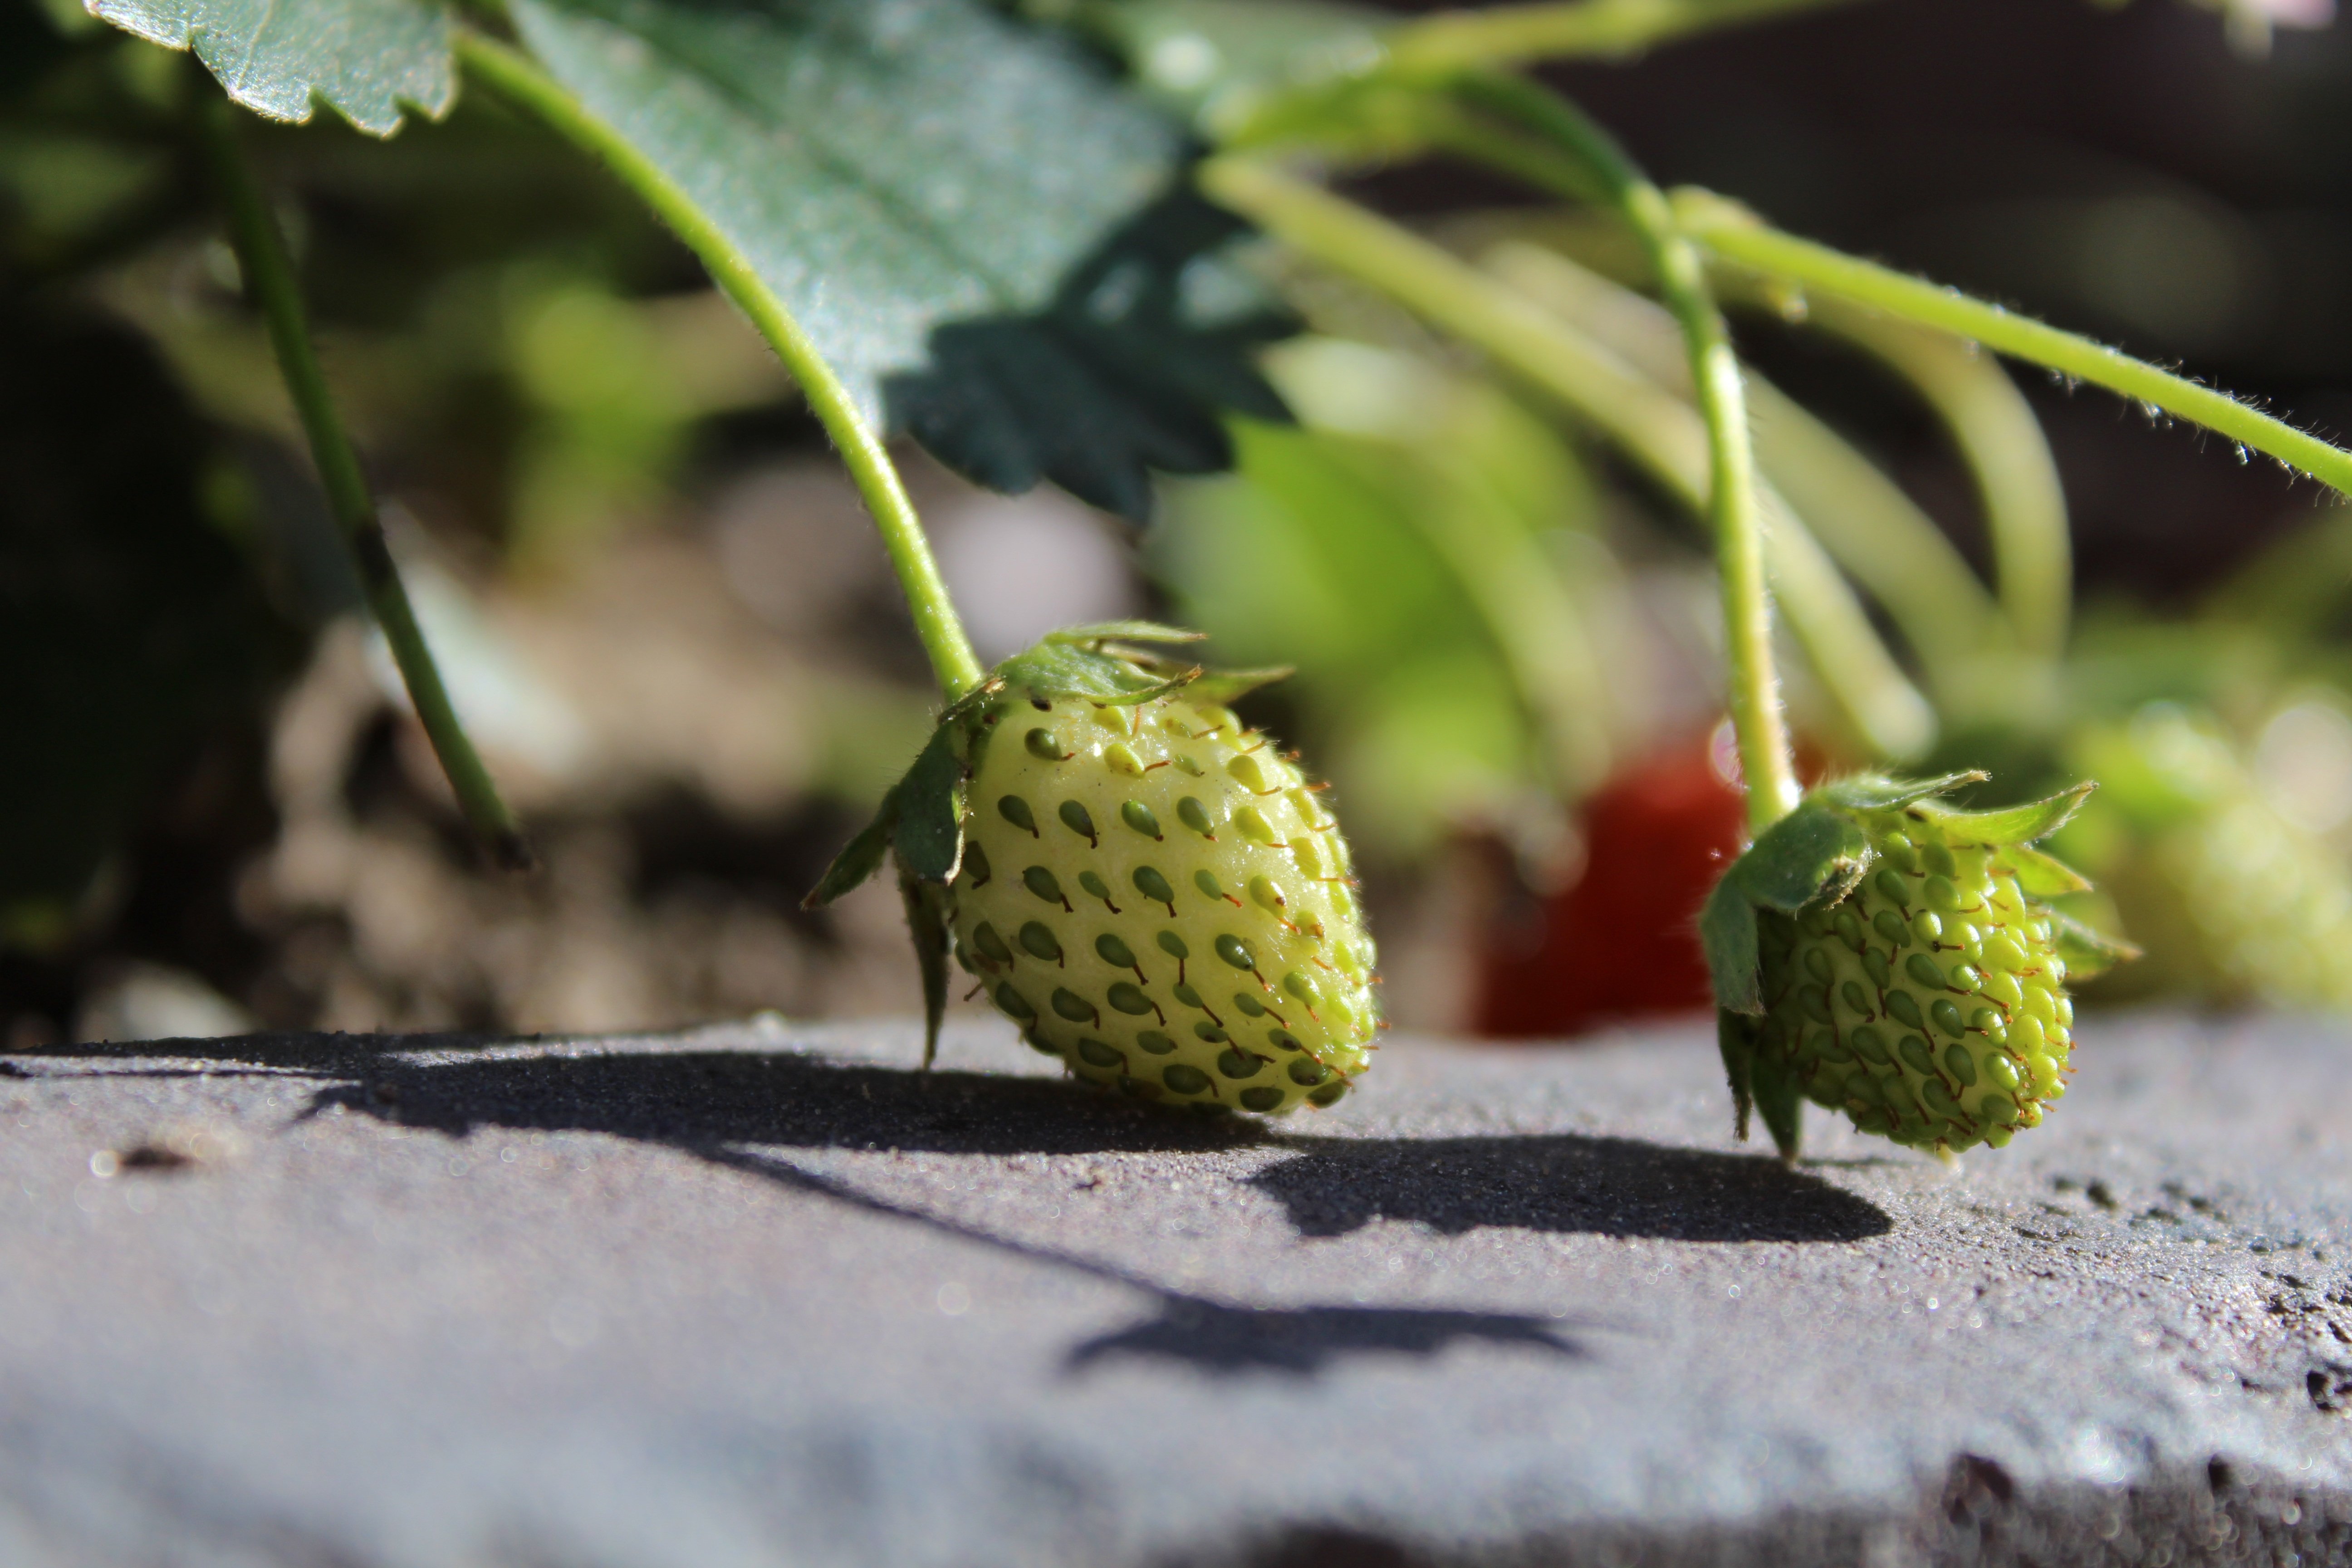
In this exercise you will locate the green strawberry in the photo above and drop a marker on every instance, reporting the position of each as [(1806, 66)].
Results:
[(1148, 888), (1887, 956), (2233, 901)]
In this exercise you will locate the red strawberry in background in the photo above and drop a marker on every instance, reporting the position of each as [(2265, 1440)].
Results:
[(1622, 940)]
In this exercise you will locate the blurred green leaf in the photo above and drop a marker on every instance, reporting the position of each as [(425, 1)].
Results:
[(367, 60), (984, 235)]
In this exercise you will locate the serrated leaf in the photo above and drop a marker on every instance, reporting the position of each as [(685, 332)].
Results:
[(2086, 950), (2041, 875), (1131, 631), (1875, 791), (929, 836), (859, 858), (1119, 377), (986, 237), (2018, 824), (364, 58), (1059, 669), (926, 924)]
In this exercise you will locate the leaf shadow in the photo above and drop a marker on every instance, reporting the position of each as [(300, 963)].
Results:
[(1305, 1339)]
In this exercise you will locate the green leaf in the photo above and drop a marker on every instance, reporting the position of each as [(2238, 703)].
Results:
[(2041, 875), (859, 858), (1811, 853), (926, 924), (1131, 631), (929, 838), (1059, 669), (2019, 824), (2086, 950), (365, 58), (1875, 791), (987, 239)]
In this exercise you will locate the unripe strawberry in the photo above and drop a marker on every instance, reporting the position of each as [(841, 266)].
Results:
[(1929, 1002), (1149, 889), (2233, 901), (1890, 957), (1154, 894)]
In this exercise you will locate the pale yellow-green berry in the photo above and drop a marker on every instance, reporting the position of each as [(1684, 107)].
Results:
[(1155, 895)]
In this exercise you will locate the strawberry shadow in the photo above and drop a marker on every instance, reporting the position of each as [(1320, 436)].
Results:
[(748, 1110), (1562, 1183)]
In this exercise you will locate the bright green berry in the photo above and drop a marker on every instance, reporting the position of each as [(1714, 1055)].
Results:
[(1891, 958), (1907, 1036)]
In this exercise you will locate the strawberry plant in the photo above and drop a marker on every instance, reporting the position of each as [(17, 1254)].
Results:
[(953, 222)]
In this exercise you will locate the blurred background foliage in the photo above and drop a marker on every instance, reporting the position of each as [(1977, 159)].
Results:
[(664, 617)]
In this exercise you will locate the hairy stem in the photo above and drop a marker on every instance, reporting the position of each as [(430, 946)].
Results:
[(1765, 759), (957, 668), (1510, 35), (1656, 429), (1736, 235), (270, 279)]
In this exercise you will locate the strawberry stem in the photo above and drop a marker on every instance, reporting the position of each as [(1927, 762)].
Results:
[(269, 275), (862, 452), (1730, 231), (1733, 504)]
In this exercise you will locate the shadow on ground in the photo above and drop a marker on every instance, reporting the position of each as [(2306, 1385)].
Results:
[(1559, 1182), (746, 1110)]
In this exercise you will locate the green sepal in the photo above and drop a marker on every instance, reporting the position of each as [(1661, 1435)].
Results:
[(1734, 1037), (1779, 1101), (1065, 669), (1132, 631), (2041, 875), (927, 924), (2085, 950), (1233, 685), (859, 858), (2018, 824), (1876, 792), (931, 806), (1813, 853)]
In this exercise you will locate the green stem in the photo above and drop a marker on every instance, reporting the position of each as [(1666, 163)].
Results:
[(936, 622), (269, 277), (1658, 430), (1513, 35), (1736, 235), (1765, 759)]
